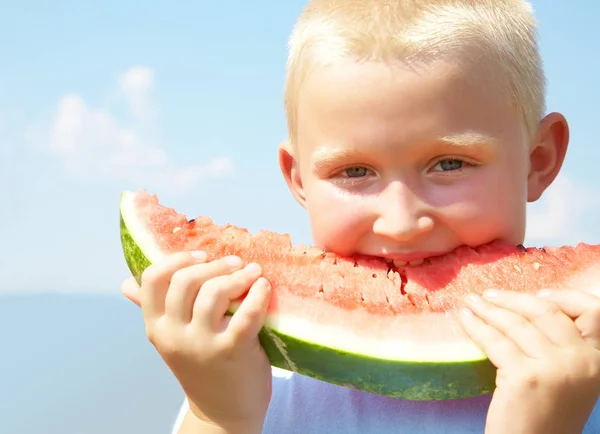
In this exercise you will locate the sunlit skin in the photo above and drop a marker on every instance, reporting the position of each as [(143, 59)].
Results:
[(410, 163)]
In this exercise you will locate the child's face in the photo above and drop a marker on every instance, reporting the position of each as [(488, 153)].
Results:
[(407, 164)]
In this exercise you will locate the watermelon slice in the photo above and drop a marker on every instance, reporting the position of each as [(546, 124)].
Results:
[(361, 322)]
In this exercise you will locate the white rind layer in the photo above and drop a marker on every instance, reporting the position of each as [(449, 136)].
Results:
[(427, 337), (138, 230), (342, 339)]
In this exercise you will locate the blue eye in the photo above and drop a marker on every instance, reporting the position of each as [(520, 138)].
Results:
[(356, 172), (449, 165)]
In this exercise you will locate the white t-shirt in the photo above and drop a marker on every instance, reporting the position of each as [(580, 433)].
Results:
[(302, 405)]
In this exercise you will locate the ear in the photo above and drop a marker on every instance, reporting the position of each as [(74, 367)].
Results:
[(288, 163), (547, 154)]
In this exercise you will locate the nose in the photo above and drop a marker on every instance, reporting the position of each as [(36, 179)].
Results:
[(401, 214)]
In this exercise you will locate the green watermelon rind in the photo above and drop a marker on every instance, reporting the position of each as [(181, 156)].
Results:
[(418, 381), (406, 379)]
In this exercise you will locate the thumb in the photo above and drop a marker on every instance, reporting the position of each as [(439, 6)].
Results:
[(131, 290), (582, 307), (572, 302)]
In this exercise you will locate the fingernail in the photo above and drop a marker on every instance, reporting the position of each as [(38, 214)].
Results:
[(233, 261), (491, 293), (544, 292), (473, 298), (466, 313), (197, 254), (253, 268), (264, 282)]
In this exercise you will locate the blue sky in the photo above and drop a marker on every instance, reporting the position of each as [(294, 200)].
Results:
[(186, 100)]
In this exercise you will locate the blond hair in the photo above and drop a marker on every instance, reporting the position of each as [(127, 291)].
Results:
[(501, 33)]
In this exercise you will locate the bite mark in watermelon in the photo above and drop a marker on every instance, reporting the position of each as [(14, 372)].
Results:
[(359, 321)]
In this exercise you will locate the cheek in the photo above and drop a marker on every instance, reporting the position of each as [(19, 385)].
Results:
[(338, 220), (486, 207)]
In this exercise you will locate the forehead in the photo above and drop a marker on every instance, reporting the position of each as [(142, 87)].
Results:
[(384, 104)]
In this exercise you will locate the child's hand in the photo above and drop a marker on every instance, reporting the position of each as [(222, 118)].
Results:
[(217, 359), (582, 307), (548, 377)]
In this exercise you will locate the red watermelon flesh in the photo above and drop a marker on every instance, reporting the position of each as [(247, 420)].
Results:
[(371, 283), (363, 304)]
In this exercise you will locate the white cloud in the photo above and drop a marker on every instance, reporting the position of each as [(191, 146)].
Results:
[(92, 142), (137, 85), (560, 215)]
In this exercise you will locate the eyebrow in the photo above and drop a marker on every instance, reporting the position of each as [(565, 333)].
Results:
[(468, 139), (324, 158)]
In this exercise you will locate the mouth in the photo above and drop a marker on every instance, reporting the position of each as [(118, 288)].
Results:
[(401, 263), (405, 259), (412, 259)]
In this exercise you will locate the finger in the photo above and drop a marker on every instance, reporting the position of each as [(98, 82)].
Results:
[(250, 316), (131, 290), (572, 302), (582, 307), (187, 282), (217, 294), (546, 316), (157, 278), (499, 349), (515, 327)]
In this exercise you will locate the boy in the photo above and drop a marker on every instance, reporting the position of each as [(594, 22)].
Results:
[(414, 127)]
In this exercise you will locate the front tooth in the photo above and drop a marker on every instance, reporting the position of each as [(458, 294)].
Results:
[(416, 262), (399, 263)]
